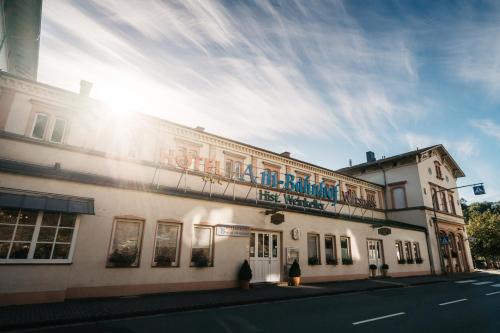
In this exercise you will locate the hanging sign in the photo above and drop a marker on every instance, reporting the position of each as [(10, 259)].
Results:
[(384, 231), (277, 218), (479, 190), (232, 230)]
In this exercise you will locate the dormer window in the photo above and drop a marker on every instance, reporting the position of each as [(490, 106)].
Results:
[(41, 127), (437, 166)]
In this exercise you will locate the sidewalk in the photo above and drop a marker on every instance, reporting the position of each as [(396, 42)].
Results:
[(77, 311)]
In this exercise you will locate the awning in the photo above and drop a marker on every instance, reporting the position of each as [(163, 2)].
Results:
[(47, 202)]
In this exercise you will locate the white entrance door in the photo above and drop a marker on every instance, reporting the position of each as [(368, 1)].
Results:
[(375, 255), (265, 256)]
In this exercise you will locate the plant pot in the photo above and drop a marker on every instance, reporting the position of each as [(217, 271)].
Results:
[(244, 284), (295, 281), (373, 272), (384, 272)]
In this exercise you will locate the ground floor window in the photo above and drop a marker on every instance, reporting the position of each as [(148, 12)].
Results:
[(202, 248), (125, 246), (399, 252), (345, 250), (313, 249), (330, 252), (408, 254), (36, 236), (167, 245), (416, 250)]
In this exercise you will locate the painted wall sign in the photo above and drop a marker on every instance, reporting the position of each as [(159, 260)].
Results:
[(232, 230), (384, 231)]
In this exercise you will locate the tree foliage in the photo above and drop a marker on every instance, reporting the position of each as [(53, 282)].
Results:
[(483, 225)]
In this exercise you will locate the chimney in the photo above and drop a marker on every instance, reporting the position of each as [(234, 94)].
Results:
[(85, 88), (285, 154), (370, 156), (199, 129), (350, 162)]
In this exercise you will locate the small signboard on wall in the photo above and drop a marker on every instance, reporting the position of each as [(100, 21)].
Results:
[(232, 230), (292, 253), (384, 231)]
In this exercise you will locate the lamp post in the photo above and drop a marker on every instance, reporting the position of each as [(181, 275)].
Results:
[(478, 190)]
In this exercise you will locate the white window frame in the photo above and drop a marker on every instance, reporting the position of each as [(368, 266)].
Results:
[(416, 250), (33, 242), (349, 254), (334, 248), (177, 243), (212, 245), (54, 126), (44, 135), (139, 239), (317, 246)]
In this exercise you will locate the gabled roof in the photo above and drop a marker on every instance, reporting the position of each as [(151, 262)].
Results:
[(456, 169)]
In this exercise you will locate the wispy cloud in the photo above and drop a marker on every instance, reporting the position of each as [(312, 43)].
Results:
[(463, 147), (487, 127), (243, 70)]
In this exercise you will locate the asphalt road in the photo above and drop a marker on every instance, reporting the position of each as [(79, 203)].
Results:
[(443, 307)]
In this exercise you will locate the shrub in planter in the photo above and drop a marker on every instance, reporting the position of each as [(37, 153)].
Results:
[(313, 261), (245, 275), (123, 258), (410, 261), (419, 260), (200, 260), (384, 268), (401, 261), (332, 262), (346, 261), (163, 261), (373, 267), (294, 273)]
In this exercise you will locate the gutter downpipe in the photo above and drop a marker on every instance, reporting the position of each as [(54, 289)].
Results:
[(385, 189)]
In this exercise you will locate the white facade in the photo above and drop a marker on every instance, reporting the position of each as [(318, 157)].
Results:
[(136, 205)]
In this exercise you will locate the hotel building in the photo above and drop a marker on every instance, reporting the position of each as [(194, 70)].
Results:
[(96, 204)]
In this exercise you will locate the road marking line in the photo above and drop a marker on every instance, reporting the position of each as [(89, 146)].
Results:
[(495, 285), (378, 318), (465, 281), (458, 300), (481, 283), (496, 292)]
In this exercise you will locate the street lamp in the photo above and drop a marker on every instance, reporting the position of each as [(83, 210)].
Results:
[(478, 190)]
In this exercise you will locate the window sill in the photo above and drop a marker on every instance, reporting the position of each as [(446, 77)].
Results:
[(35, 262)]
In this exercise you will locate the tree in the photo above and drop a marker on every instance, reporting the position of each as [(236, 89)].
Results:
[(484, 227)]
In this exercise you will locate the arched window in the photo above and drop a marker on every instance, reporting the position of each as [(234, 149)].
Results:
[(437, 166)]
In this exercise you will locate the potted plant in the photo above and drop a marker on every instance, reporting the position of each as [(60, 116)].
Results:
[(373, 269), (332, 261), (410, 261), (200, 260), (163, 261), (401, 261), (419, 260), (384, 269), (346, 261), (123, 258), (294, 273), (313, 261), (245, 275)]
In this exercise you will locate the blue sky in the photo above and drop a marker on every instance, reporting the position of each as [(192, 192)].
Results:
[(325, 80)]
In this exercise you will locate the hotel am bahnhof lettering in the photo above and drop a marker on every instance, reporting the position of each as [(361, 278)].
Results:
[(293, 189)]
